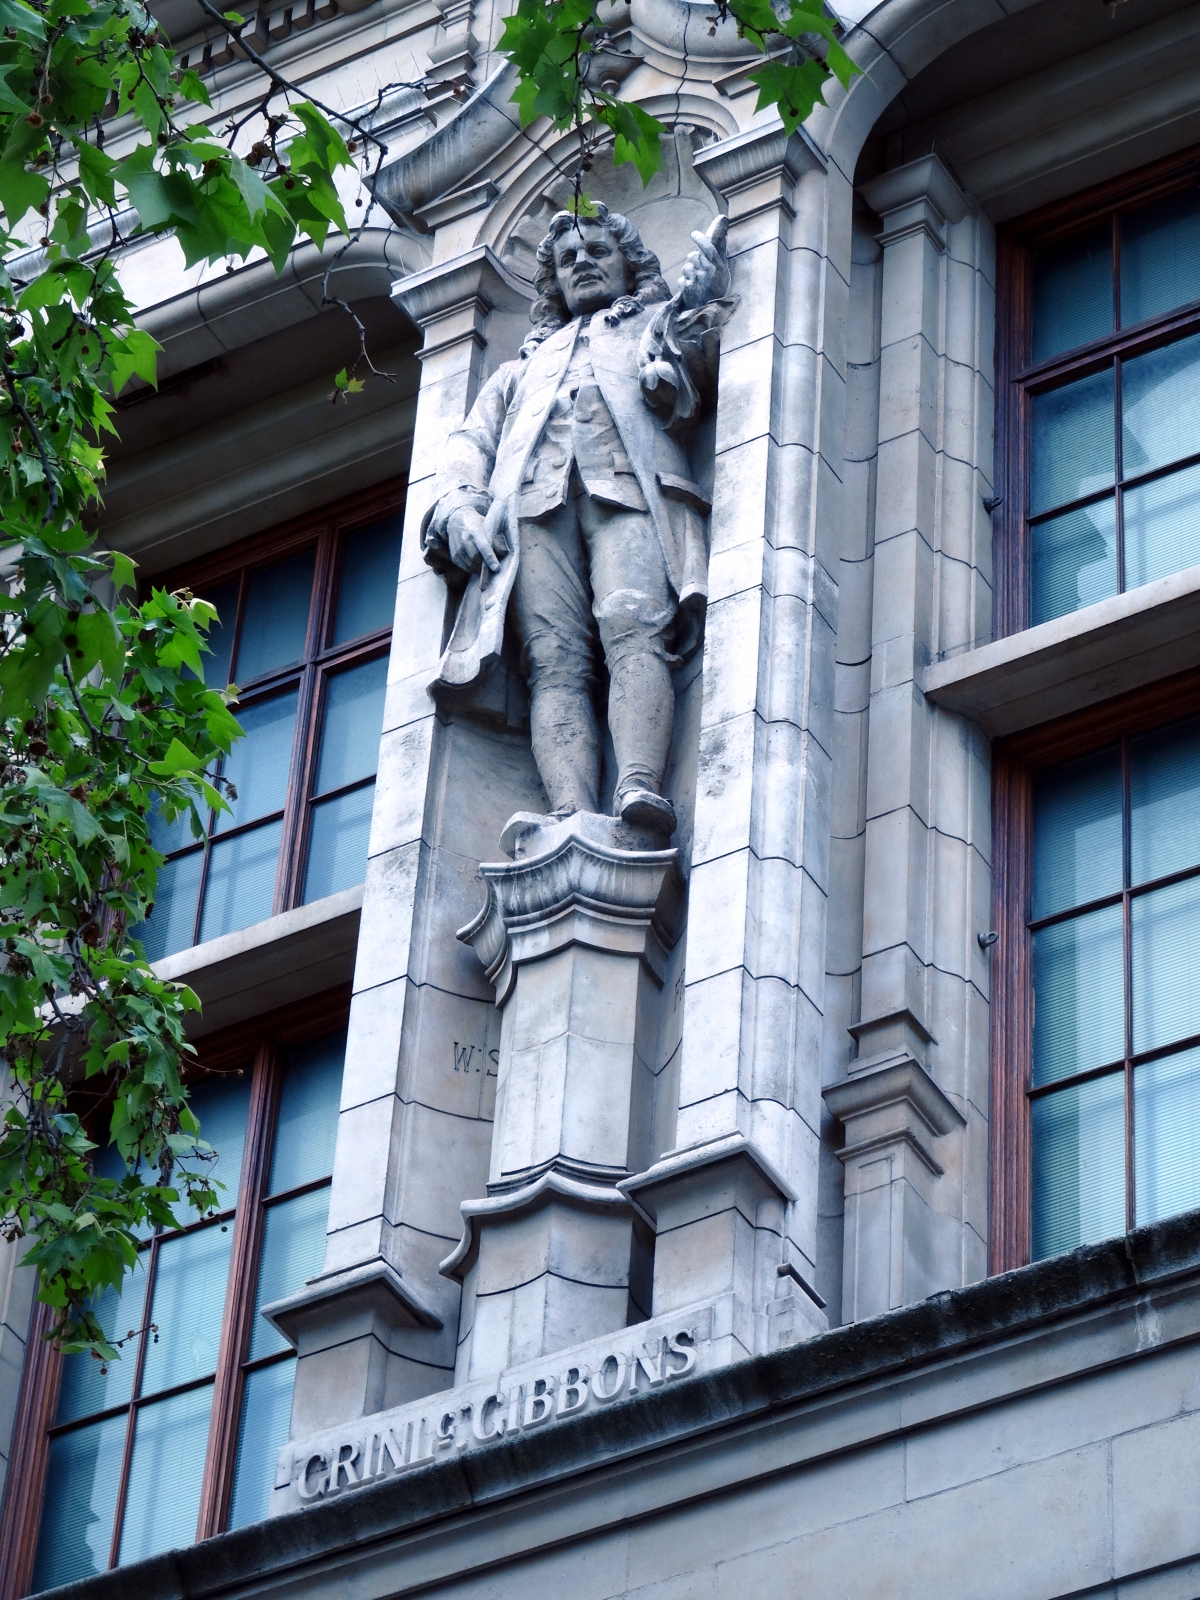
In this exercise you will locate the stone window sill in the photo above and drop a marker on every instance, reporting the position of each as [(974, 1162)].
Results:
[(1075, 661), (271, 964)]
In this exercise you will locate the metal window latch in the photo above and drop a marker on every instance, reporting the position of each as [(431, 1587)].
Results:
[(991, 501), (987, 940)]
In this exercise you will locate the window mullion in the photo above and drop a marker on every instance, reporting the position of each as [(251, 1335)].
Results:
[(239, 1296), (291, 875), (135, 1391), (1119, 461), (1116, 261), (237, 626), (1127, 954)]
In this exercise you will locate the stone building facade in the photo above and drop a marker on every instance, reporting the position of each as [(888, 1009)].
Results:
[(910, 1163)]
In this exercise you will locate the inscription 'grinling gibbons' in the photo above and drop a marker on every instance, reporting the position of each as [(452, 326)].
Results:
[(567, 492)]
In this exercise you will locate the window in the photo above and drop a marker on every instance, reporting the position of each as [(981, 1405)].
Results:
[(305, 621), (1096, 1028), (1098, 370), (178, 1439)]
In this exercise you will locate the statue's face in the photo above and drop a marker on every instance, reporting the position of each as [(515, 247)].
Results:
[(590, 269)]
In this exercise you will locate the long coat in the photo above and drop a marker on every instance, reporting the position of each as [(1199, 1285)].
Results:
[(653, 368)]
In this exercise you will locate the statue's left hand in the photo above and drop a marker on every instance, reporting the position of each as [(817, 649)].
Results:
[(705, 274)]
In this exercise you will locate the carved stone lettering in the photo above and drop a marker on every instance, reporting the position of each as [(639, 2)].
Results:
[(394, 1444)]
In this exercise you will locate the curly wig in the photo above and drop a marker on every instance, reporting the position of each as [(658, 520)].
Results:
[(643, 275)]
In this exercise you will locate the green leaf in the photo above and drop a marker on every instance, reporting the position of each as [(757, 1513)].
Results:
[(177, 759), (136, 354), (21, 191), (191, 87), (793, 91), (122, 571), (100, 640), (96, 174), (46, 290), (638, 137)]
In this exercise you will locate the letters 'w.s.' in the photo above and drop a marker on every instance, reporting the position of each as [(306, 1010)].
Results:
[(568, 498)]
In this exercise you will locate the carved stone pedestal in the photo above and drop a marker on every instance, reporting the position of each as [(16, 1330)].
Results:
[(574, 935)]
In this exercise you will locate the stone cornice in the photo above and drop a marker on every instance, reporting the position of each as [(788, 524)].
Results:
[(1034, 1302), (375, 1284), (731, 165), (920, 197), (579, 892), (478, 277), (895, 1101), (680, 1163)]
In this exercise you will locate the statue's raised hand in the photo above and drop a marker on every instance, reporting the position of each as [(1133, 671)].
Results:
[(705, 274)]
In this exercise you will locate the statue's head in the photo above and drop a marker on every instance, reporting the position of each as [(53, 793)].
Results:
[(585, 266)]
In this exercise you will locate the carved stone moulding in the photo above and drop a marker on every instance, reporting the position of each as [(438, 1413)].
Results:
[(575, 935)]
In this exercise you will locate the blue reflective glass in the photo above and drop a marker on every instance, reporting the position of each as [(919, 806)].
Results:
[(89, 1385), (1074, 441), (1078, 1165), (266, 1413), (1160, 257), (169, 1446), (337, 845), (275, 620), (1073, 561), (222, 1105), (241, 881), (1165, 934), (306, 1128), (293, 1251), (1164, 794), (189, 1303), (1166, 1136), (220, 633), (1078, 995), (352, 725), (171, 926), (258, 765), (1162, 527), (84, 1472), (1073, 293), (177, 835), (1077, 842), (367, 581), (1160, 416)]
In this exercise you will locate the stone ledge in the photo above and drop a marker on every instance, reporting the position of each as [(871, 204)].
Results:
[(1075, 661), (294, 1549), (258, 969)]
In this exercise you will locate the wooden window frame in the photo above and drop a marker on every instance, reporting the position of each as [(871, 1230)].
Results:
[(1018, 378), (257, 1048), (1015, 763), (322, 661)]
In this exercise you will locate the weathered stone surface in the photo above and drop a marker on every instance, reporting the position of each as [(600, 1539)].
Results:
[(793, 1462)]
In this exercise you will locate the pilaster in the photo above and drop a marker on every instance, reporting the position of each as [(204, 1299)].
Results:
[(749, 1067), (575, 936), (915, 1220), (377, 1326), (894, 1116)]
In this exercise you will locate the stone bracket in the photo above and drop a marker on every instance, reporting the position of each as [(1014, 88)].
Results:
[(588, 1196), (897, 1101), (477, 278), (372, 1293), (920, 197), (681, 1164), (884, 1038), (579, 892)]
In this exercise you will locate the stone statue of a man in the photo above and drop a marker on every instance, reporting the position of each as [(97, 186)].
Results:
[(567, 491)]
